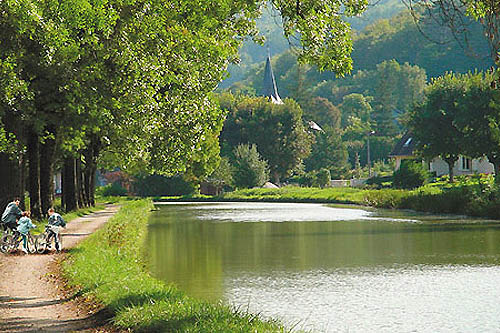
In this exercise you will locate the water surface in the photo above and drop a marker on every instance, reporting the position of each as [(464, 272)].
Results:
[(334, 269)]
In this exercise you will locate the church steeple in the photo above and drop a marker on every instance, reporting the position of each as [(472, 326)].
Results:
[(269, 87)]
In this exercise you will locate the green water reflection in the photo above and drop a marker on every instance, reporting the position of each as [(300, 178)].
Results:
[(199, 247)]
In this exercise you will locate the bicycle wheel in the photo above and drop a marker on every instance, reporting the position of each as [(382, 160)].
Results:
[(60, 237), (41, 243), (5, 242), (31, 244), (9, 243)]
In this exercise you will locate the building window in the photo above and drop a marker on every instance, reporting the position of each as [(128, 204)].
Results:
[(466, 163)]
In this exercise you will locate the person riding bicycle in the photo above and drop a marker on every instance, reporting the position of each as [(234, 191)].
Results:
[(55, 223), (11, 214), (24, 226)]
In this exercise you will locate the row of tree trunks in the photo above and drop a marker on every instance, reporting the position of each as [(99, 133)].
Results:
[(78, 182), (12, 182), (69, 184), (33, 149), (47, 158)]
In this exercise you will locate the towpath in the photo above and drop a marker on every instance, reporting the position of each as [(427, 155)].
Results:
[(31, 299)]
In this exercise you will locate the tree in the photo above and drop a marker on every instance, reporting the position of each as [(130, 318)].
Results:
[(479, 119), (328, 152), (222, 175), (433, 121), (322, 178), (356, 105), (322, 112), (276, 129), (249, 169), (86, 77)]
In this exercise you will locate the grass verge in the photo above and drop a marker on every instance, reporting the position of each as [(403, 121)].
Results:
[(473, 195), (473, 199), (108, 267)]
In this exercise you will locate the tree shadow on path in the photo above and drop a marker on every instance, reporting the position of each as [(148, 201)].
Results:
[(24, 325)]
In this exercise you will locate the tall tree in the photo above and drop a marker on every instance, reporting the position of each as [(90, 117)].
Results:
[(138, 74), (479, 119), (276, 129), (433, 121)]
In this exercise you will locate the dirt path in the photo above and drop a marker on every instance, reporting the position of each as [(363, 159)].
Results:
[(29, 300)]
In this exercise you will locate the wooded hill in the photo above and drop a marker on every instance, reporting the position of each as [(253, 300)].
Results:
[(427, 45)]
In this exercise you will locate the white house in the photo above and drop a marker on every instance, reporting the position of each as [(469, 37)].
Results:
[(464, 166)]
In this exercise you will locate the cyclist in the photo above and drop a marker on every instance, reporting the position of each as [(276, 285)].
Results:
[(24, 226), (55, 223), (11, 214)]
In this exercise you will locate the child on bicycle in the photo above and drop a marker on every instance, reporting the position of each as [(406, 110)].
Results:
[(55, 223), (24, 226)]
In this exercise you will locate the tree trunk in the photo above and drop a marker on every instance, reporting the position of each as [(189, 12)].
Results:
[(22, 181), (496, 165), (33, 148), (91, 154), (79, 184), (451, 163), (69, 184), (47, 151), (10, 182), (92, 185)]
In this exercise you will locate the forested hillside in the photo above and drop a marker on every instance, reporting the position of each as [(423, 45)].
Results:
[(270, 27), (393, 59)]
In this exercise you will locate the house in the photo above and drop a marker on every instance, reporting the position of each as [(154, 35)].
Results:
[(404, 149)]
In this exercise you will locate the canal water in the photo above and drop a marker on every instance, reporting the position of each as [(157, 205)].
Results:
[(333, 268)]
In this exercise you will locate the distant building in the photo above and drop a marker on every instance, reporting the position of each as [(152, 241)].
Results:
[(270, 89), (404, 149)]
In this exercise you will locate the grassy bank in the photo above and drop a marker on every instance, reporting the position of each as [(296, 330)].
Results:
[(108, 267), (469, 196)]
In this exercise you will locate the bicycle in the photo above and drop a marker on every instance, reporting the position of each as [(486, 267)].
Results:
[(9, 242), (44, 240)]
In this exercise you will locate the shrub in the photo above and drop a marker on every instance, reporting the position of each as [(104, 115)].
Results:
[(322, 178), (380, 182), (111, 190), (156, 185), (249, 169), (306, 179), (411, 174)]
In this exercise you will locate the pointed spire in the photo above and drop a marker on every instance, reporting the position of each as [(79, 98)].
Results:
[(269, 87)]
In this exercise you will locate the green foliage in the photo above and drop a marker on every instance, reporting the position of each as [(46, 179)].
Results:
[(111, 190), (474, 195), (381, 181), (322, 178), (276, 129), (157, 185), (109, 267), (299, 194), (328, 152), (432, 121), (356, 105), (249, 169), (136, 76), (444, 124), (222, 175), (411, 174)]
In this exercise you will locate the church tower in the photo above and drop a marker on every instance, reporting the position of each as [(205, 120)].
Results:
[(269, 87)]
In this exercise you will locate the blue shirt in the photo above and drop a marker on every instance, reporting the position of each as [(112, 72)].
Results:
[(25, 225), (57, 220)]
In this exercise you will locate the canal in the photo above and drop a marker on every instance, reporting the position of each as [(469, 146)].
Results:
[(333, 268)]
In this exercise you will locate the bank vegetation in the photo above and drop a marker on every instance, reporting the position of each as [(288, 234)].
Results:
[(109, 268), (476, 195)]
